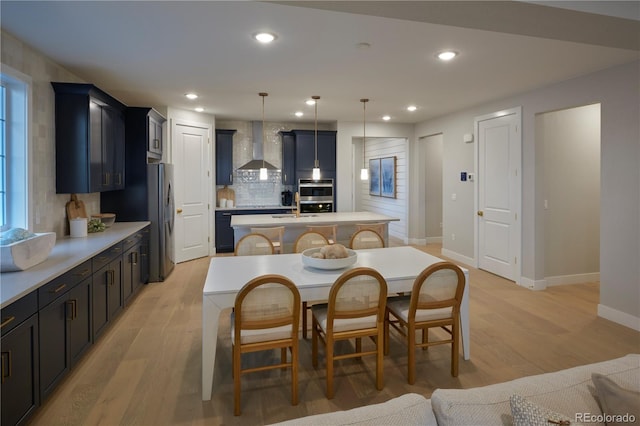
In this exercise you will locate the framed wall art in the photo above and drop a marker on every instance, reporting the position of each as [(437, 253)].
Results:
[(374, 176), (388, 177)]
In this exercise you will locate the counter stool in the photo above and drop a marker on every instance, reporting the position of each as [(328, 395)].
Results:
[(275, 234), (329, 231)]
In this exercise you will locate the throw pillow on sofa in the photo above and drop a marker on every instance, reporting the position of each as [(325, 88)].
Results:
[(619, 405), (526, 413)]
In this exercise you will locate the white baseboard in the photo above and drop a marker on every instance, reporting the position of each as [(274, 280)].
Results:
[(434, 240), (573, 279), (418, 241), (619, 317), (458, 257), (535, 285)]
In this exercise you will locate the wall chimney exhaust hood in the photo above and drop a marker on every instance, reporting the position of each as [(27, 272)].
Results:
[(258, 155)]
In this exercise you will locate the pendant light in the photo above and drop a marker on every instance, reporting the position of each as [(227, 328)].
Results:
[(364, 172), (315, 175), (263, 170)]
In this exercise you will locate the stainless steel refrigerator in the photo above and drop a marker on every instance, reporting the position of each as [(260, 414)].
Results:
[(161, 214), (148, 195)]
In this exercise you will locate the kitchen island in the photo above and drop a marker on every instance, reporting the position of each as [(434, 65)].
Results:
[(294, 226)]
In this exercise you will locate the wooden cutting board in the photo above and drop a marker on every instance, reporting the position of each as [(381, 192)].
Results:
[(75, 208), (227, 193)]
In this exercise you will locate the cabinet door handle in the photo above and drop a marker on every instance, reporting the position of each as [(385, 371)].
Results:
[(72, 310), (83, 273), (156, 143), (6, 372), (7, 321), (119, 181), (135, 253), (231, 177), (112, 277), (59, 289)]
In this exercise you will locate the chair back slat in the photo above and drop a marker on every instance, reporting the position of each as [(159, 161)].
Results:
[(439, 286), (359, 292), (253, 244), (366, 239)]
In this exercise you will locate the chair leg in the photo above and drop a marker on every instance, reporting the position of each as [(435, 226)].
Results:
[(380, 359), (425, 338), (294, 373), (328, 351), (236, 380), (314, 343), (304, 319), (358, 346), (386, 332), (411, 354), (454, 350), (283, 357)]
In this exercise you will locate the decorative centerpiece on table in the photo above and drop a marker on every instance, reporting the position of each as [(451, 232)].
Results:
[(332, 256)]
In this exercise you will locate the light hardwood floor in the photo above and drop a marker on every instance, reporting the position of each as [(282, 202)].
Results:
[(146, 369)]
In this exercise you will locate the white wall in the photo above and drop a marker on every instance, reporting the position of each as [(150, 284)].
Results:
[(348, 167), (394, 207), (617, 90), (432, 169)]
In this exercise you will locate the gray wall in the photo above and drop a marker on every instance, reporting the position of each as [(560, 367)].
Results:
[(617, 90), (570, 139), (432, 167)]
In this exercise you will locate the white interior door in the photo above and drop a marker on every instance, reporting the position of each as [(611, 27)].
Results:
[(498, 214), (190, 145)]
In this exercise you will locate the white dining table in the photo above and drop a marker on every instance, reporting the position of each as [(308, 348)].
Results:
[(226, 276)]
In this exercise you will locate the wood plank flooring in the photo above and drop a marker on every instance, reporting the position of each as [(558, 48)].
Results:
[(146, 369)]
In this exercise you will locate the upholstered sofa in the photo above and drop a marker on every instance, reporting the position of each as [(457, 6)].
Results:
[(570, 392)]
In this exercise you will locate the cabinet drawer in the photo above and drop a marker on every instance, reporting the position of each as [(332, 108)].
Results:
[(131, 241), (106, 256), (18, 311), (65, 282)]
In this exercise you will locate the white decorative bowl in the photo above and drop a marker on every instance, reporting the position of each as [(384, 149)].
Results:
[(328, 264), (26, 253), (106, 218)]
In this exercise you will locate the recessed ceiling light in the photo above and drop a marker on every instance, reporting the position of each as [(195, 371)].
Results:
[(363, 45), (386, 117), (199, 109), (299, 113), (412, 108), (191, 96), (264, 38), (310, 102), (447, 55)]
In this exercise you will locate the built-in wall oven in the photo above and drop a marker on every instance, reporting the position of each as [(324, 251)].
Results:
[(316, 196)]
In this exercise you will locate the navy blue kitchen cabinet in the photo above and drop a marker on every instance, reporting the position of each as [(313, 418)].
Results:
[(288, 158), (20, 388), (90, 139), (107, 286), (305, 153), (64, 324), (224, 231), (224, 156)]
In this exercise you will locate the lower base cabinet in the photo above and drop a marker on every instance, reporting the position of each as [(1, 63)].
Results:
[(107, 295), (65, 334), (20, 371)]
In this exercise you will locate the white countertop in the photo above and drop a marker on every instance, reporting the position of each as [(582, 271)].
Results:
[(66, 255), (308, 219), (257, 208)]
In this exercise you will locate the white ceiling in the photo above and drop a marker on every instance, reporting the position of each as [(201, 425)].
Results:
[(151, 53)]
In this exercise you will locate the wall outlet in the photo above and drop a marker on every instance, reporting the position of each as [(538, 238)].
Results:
[(453, 237), (454, 196)]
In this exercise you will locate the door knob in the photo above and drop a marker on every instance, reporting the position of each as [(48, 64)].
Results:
[(179, 211), (480, 213)]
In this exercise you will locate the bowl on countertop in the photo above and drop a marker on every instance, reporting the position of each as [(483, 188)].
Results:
[(23, 254), (107, 218), (328, 264)]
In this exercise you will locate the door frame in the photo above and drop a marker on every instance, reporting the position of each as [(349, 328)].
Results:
[(517, 111), (210, 173)]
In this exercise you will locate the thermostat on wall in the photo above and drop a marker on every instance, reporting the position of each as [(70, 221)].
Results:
[(468, 137)]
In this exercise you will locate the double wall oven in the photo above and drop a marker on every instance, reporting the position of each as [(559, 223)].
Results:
[(316, 196)]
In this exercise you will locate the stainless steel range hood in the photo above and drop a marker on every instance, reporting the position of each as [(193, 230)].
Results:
[(258, 155)]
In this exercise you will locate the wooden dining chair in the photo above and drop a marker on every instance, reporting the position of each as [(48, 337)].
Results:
[(253, 244), (365, 239), (356, 309), (434, 302), (329, 231), (265, 316), (275, 234), (307, 240), (379, 227)]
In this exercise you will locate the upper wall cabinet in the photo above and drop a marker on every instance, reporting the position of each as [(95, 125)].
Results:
[(90, 139), (144, 137), (305, 153), (224, 156)]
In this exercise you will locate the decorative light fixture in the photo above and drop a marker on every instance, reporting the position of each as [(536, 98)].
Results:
[(263, 170), (364, 172), (315, 175)]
